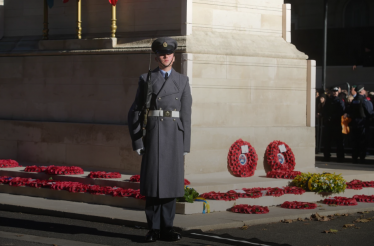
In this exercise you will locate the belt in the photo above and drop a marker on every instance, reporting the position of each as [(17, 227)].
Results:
[(164, 113)]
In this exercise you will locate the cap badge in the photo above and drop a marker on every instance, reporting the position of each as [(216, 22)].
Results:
[(165, 44)]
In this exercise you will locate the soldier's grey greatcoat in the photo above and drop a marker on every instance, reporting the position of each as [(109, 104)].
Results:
[(162, 169)]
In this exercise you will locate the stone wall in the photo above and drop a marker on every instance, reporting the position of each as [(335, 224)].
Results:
[(257, 17), (25, 17), (95, 147), (82, 89)]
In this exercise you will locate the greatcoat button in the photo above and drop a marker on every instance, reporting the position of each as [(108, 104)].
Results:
[(176, 98), (162, 119), (159, 98), (174, 119)]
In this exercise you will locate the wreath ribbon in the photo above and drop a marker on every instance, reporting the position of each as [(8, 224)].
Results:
[(206, 206)]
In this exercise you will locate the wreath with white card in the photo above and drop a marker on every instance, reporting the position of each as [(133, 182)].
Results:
[(280, 156), (242, 159)]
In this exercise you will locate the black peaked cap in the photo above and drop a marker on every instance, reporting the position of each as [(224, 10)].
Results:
[(164, 45)]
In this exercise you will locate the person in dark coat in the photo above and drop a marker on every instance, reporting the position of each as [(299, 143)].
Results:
[(332, 113), (168, 138), (360, 111)]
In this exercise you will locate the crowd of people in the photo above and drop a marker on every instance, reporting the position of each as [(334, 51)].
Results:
[(343, 112)]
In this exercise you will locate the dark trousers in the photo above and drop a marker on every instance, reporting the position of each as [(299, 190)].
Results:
[(330, 134), (360, 139), (160, 212)]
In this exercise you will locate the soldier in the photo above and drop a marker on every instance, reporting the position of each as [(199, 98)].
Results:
[(167, 140), (361, 110), (332, 113)]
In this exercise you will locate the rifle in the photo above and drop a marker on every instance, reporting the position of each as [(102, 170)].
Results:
[(145, 100)]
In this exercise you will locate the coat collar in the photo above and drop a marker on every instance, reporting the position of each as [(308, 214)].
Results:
[(170, 87)]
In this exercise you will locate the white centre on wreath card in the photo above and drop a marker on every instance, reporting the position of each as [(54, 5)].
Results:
[(240, 191), (245, 149), (282, 148)]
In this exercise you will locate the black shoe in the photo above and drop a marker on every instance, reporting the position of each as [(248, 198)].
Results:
[(170, 235), (355, 161), (152, 236), (340, 160)]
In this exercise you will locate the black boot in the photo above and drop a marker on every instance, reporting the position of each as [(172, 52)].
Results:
[(170, 235), (152, 236)]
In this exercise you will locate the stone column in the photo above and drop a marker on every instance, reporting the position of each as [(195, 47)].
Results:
[(311, 94), (286, 22), (186, 17), (1, 19)]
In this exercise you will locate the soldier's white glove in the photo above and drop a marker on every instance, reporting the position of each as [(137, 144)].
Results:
[(185, 153), (140, 151)]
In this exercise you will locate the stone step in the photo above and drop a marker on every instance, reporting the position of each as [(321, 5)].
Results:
[(202, 183), (123, 202)]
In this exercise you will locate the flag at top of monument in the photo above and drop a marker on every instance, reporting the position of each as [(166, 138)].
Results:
[(52, 2)]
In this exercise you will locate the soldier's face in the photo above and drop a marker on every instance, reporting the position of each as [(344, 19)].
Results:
[(335, 93), (166, 60)]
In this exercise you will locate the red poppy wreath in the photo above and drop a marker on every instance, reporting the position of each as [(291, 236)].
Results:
[(242, 159), (340, 201), (280, 156)]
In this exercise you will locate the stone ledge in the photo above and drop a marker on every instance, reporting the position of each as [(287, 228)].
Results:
[(199, 42), (78, 44)]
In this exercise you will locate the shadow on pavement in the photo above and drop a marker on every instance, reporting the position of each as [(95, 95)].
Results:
[(64, 229), (227, 239)]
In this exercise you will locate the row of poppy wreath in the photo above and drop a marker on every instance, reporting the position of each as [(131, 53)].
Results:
[(242, 159), (283, 174), (252, 193), (364, 198), (341, 201), (136, 179), (72, 187), (359, 184), (248, 209), (57, 170), (104, 175), (63, 170), (345, 201), (299, 205), (8, 163)]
